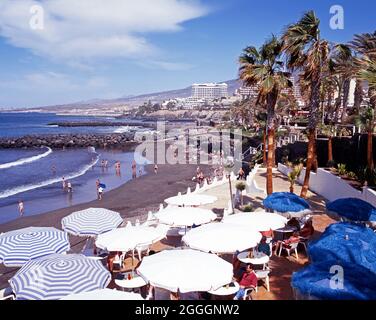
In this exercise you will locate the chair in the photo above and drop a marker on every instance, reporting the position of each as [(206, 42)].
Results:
[(263, 275), (248, 293), (288, 248), (144, 247), (304, 242), (7, 294), (151, 220)]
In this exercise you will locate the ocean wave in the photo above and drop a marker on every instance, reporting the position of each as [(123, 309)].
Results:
[(24, 188), (23, 161), (122, 129)]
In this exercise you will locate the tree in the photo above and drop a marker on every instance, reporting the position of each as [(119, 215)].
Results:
[(329, 131), (364, 64), (307, 52), (264, 68)]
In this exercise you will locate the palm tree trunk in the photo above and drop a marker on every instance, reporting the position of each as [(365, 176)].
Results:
[(312, 125), (370, 163), (310, 159), (330, 149), (264, 148), (358, 95), (269, 170)]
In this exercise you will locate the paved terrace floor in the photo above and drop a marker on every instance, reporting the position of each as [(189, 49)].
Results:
[(282, 267)]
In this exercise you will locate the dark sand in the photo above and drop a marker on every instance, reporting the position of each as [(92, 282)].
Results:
[(133, 199)]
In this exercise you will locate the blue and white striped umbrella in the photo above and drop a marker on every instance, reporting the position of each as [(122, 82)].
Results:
[(20, 246), (91, 222), (58, 275)]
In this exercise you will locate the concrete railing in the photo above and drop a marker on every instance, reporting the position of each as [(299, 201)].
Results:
[(331, 186)]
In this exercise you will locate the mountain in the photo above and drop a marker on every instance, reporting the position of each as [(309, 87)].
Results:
[(129, 101)]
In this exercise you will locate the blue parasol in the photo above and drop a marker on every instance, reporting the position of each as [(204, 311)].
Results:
[(343, 246), (353, 209), (285, 202)]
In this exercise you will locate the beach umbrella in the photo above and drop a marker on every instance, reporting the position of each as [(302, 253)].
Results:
[(104, 294), (125, 239), (320, 281), (288, 203), (20, 246), (260, 220), (222, 238), (185, 216), (91, 222), (58, 275), (353, 209), (191, 200), (344, 250), (347, 243), (185, 270)]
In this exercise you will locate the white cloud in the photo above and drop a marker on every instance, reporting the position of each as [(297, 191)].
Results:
[(85, 29)]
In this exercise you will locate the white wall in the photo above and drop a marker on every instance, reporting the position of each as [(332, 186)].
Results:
[(332, 187)]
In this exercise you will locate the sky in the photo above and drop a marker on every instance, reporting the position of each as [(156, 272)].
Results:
[(100, 49)]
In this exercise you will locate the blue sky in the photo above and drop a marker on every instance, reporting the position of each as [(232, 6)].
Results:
[(108, 49)]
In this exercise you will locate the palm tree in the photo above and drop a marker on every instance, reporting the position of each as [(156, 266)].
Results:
[(365, 47), (307, 52), (329, 131), (264, 68)]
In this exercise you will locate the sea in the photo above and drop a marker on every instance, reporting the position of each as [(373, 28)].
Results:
[(35, 175)]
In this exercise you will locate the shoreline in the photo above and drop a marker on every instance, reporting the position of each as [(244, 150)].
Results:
[(126, 199), (132, 200)]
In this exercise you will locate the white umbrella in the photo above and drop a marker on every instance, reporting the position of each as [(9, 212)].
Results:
[(91, 222), (104, 294), (222, 238), (260, 220), (186, 271), (125, 239), (185, 216), (191, 200)]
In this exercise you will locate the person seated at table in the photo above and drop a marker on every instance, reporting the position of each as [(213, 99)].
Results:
[(263, 246), (293, 222), (308, 230), (269, 234), (248, 280), (113, 256), (287, 243)]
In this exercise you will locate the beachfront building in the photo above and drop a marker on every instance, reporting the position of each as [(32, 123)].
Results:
[(209, 91)]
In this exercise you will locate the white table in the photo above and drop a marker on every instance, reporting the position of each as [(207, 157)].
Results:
[(134, 283), (259, 258), (226, 290)]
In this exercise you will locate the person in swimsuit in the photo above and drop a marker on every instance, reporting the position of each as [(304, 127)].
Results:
[(21, 208)]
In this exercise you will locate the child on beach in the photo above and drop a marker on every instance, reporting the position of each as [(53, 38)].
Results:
[(155, 169), (21, 208), (100, 193)]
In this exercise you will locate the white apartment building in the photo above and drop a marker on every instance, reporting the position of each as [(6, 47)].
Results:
[(209, 91)]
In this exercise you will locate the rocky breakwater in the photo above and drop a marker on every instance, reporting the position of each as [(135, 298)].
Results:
[(113, 140)]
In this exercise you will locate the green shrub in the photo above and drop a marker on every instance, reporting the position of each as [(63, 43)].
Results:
[(240, 186), (341, 168), (247, 208)]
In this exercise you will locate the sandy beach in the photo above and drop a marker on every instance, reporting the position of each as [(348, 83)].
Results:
[(132, 200)]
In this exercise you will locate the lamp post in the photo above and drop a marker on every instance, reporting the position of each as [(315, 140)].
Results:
[(228, 166)]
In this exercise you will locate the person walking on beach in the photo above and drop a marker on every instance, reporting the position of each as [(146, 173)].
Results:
[(100, 193), (64, 183), (134, 169), (155, 168), (69, 187), (21, 208)]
